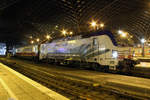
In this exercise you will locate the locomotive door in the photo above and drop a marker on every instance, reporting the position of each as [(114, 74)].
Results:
[(39, 51), (95, 50)]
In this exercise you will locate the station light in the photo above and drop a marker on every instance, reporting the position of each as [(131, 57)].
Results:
[(48, 36), (93, 23), (64, 32), (32, 42), (123, 34), (143, 40), (101, 25), (71, 33), (120, 32), (131, 36), (37, 39), (56, 26)]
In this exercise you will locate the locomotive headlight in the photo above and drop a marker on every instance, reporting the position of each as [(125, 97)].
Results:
[(114, 54)]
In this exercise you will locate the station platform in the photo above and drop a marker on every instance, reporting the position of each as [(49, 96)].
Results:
[(15, 86), (143, 64), (130, 85)]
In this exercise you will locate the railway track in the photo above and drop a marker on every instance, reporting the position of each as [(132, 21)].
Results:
[(69, 87), (135, 73)]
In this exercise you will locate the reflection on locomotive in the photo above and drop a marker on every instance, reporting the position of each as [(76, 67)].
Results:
[(98, 51)]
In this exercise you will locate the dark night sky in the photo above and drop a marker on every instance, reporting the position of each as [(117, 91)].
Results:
[(21, 18)]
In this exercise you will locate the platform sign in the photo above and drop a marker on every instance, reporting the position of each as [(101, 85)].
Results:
[(2, 49)]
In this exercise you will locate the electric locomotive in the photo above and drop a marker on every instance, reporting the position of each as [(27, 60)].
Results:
[(98, 51)]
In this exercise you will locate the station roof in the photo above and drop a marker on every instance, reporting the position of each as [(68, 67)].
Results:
[(21, 18)]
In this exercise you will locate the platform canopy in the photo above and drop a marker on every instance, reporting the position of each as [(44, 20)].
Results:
[(21, 18)]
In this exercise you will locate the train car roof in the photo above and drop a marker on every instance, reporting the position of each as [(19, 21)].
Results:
[(25, 46), (105, 32), (108, 33)]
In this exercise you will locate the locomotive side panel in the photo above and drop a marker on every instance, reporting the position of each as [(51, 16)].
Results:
[(96, 49), (64, 49)]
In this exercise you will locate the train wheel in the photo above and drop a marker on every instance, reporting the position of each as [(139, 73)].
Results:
[(125, 68), (96, 66)]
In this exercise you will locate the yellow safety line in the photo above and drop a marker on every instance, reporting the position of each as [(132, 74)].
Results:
[(37, 85), (12, 95)]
